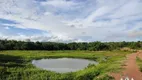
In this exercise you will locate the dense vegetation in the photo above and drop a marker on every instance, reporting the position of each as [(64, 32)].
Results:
[(16, 65), (93, 46)]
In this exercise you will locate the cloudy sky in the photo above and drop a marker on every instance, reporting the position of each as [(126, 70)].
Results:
[(71, 20)]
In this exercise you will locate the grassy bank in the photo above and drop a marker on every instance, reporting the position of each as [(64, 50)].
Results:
[(139, 62), (16, 65)]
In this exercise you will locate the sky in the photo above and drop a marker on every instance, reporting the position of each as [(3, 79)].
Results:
[(71, 20)]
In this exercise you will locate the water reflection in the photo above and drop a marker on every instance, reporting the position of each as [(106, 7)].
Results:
[(62, 65)]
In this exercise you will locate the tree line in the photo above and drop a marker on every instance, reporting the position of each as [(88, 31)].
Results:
[(92, 46)]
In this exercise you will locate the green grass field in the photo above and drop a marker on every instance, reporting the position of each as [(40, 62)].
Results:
[(16, 65)]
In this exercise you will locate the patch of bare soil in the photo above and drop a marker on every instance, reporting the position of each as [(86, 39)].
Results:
[(131, 68)]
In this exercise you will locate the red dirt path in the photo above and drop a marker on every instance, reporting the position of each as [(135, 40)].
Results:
[(131, 68)]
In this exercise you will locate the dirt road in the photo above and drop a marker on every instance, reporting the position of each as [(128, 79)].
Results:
[(131, 69)]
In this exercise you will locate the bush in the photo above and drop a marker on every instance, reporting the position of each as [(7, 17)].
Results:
[(2, 70), (88, 74), (105, 77)]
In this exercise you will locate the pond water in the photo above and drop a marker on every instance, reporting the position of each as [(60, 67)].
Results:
[(62, 65)]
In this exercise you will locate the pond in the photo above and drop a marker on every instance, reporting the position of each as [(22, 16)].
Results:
[(62, 65)]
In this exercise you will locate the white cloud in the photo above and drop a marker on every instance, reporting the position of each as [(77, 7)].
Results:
[(131, 8), (73, 20), (47, 13), (99, 12), (42, 38), (135, 34), (59, 3), (7, 28)]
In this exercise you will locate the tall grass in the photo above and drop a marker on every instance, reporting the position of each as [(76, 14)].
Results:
[(16, 65), (139, 62)]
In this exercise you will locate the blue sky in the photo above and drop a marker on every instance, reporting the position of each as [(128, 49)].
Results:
[(71, 20)]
